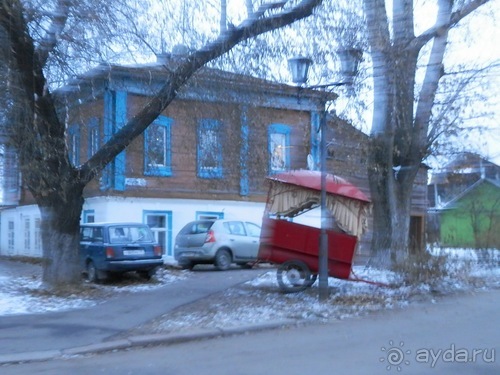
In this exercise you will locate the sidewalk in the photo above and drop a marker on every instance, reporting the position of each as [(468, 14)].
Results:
[(139, 341), (101, 327)]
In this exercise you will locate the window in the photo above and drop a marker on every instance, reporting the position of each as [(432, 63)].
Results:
[(209, 215), (235, 228), (74, 144), (38, 235), (27, 234), (209, 150), (253, 229), (279, 148), (160, 223), (88, 216), (157, 148), (9, 170), (114, 117), (198, 227), (94, 139), (10, 236), (91, 234), (129, 234)]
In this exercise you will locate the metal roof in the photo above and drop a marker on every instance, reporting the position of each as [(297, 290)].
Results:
[(312, 180)]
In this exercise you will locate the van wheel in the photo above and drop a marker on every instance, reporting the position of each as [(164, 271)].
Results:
[(223, 260), (92, 272)]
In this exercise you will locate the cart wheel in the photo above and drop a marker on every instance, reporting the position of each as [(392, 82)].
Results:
[(294, 276)]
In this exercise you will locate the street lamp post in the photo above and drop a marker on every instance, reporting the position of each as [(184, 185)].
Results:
[(299, 67)]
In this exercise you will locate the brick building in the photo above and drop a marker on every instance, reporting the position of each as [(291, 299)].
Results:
[(206, 155)]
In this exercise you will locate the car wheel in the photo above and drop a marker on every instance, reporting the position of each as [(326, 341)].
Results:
[(222, 260), (92, 275)]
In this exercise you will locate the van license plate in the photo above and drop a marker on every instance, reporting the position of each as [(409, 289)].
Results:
[(133, 252)]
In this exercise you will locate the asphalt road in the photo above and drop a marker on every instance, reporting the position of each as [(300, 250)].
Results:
[(458, 335), (103, 322)]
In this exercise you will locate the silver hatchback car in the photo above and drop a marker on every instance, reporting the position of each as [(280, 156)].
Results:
[(220, 242)]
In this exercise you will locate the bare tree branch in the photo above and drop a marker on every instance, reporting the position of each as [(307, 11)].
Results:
[(438, 29), (450, 102), (249, 6), (433, 74)]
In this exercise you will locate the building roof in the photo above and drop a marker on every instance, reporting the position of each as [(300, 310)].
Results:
[(147, 79), (451, 204)]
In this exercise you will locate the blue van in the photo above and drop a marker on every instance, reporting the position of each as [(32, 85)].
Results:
[(108, 249)]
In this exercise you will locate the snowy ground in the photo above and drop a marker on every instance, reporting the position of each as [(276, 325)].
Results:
[(21, 292), (259, 300)]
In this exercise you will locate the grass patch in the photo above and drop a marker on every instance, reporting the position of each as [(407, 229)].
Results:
[(427, 268)]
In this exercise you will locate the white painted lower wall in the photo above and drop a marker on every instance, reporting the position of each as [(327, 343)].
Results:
[(20, 236), (19, 231)]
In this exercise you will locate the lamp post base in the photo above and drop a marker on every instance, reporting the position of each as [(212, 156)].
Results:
[(323, 266)]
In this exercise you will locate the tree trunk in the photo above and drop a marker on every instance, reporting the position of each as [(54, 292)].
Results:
[(391, 214), (391, 194), (394, 155), (60, 228)]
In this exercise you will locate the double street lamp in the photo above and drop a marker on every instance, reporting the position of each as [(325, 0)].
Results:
[(299, 68)]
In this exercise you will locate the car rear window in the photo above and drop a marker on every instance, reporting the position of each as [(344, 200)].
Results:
[(128, 234), (197, 227)]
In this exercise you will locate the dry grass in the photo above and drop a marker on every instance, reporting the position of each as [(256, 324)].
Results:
[(426, 268)]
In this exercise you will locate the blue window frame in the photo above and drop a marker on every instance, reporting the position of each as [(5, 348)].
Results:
[(279, 148), (74, 144), (209, 215), (157, 148), (115, 116), (209, 151), (88, 216), (160, 223), (93, 137)]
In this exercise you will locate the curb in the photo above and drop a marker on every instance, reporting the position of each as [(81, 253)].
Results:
[(143, 341)]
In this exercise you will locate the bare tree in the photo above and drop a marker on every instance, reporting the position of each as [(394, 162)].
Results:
[(40, 134), (412, 117), (401, 124)]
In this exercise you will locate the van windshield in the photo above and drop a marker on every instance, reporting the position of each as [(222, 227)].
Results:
[(128, 234)]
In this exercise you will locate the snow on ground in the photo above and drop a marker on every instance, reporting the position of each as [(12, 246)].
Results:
[(260, 300), (22, 294), (21, 300)]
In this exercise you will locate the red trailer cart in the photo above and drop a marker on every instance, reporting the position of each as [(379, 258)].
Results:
[(294, 247)]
